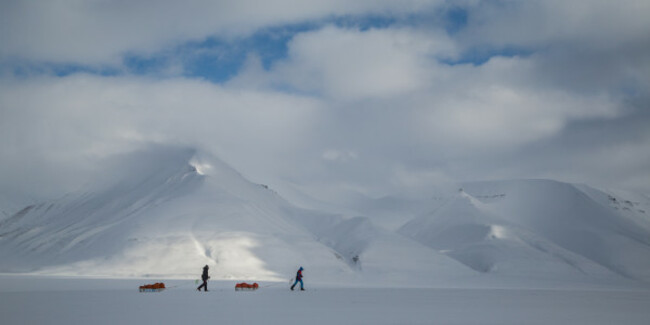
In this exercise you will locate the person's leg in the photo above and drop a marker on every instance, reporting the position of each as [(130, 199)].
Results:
[(302, 286), (204, 285), (294, 284)]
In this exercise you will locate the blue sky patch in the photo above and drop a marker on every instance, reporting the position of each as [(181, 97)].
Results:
[(479, 56), (455, 20), (216, 59), (24, 69)]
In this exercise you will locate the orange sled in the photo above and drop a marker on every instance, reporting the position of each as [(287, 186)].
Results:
[(246, 287), (156, 287)]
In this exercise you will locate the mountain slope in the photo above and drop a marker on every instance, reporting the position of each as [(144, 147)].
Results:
[(173, 210), (166, 212), (536, 226)]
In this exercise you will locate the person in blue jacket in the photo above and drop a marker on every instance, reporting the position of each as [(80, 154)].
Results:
[(299, 279)]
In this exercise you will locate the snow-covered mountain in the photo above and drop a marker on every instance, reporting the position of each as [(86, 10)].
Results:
[(539, 228), (173, 210)]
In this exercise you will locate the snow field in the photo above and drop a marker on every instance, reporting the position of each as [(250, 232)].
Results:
[(37, 300), (173, 210)]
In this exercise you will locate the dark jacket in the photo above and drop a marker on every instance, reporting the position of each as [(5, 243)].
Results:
[(299, 274), (205, 276)]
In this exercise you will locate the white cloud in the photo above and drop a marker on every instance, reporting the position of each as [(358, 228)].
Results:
[(347, 64), (101, 32), (497, 105), (582, 45), (68, 123), (372, 110)]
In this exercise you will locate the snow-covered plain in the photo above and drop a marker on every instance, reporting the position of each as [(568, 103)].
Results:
[(40, 300)]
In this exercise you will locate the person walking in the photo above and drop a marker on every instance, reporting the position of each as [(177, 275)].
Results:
[(205, 278), (299, 279)]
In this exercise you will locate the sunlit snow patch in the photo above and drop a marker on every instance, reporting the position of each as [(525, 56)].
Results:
[(498, 232), (235, 257), (200, 167)]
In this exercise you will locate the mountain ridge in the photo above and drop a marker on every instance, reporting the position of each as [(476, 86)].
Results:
[(179, 208), (174, 209)]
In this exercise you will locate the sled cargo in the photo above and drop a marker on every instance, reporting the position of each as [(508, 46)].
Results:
[(156, 287), (246, 287)]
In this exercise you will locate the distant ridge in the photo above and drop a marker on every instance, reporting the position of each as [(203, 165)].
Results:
[(543, 226)]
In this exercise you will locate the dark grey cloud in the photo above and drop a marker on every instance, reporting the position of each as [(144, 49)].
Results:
[(605, 153)]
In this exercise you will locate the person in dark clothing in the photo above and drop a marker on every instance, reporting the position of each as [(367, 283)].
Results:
[(205, 278), (299, 279)]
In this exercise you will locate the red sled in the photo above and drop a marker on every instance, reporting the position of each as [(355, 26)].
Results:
[(156, 287), (246, 287)]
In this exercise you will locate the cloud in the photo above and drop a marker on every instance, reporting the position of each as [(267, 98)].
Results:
[(584, 45), (349, 64), (499, 104), (593, 23), (101, 32), (450, 114), (382, 109), (601, 152), (70, 123)]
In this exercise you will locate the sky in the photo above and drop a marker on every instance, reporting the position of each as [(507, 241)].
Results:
[(329, 97)]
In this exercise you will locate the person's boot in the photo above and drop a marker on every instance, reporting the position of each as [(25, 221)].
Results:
[(292, 288), (302, 289)]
